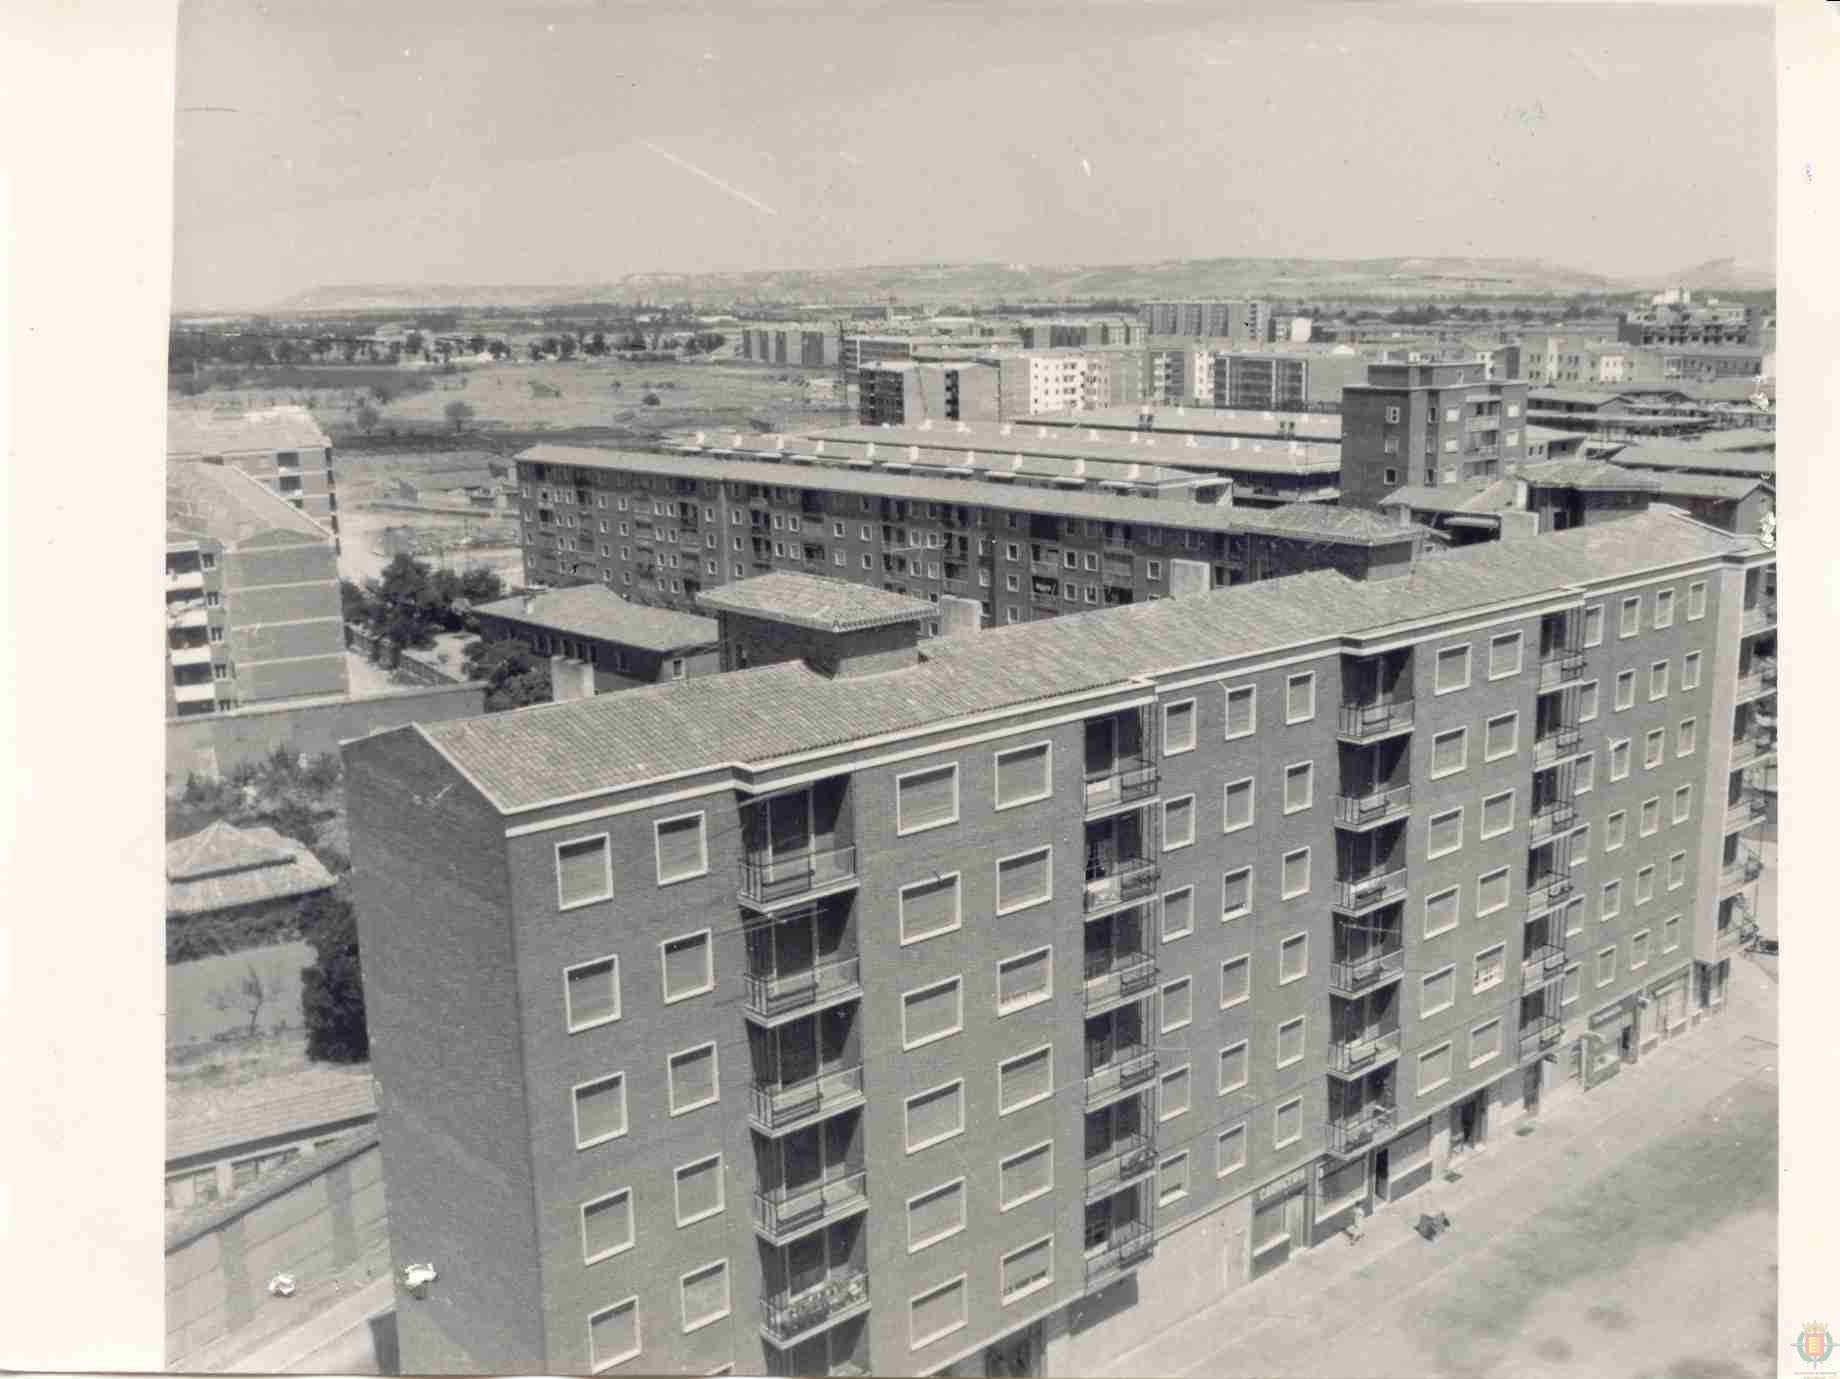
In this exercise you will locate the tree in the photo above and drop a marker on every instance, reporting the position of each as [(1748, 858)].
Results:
[(650, 399), (405, 606), (597, 345), (476, 344), (536, 351), (412, 343), (566, 347), (354, 603), (251, 993), (514, 676), (481, 585), (459, 413), (332, 989), (366, 416)]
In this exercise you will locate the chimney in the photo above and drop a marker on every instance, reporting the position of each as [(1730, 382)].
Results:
[(570, 679)]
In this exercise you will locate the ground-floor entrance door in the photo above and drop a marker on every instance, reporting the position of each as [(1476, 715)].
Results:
[(1017, 1354), (1530, 1087), (1380, 1174)]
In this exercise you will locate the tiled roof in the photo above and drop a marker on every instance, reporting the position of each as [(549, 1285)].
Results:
[(1223, 421), (1478, 495), (1688, 459), (224, 866), (260, 1119), (1584, 474), (829, 605), (1002, 439), (918, 449), (198, 431), (1676, 485), (224, 504), (1328, 523), (589, 610), (528, 757)]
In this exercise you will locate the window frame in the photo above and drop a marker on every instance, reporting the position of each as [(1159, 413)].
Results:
[(595, 1365), (1169, 844), (606, 842), (903, 830), (619, 1008), (1251, 690), (964, 1213), (677, 1196), (1476, 1061), (709, 966), (1194, 725), (1446, 1048), (1461, 733), (1252, 804), (1241, 1046), (1456, 911), (996, 775), (1033, 1193), (1520, 651), (957, 982), (1513, 718), (921, 1342), (1302, 1022), (1164, 933), (632, 1226), (1046, 897), (1222, 1169), (907, 1116), (1507, 892), (1483, 831), (1308, 677), (1034, 998), (958, 907), (1284, 892), (1308, 768), (1038, 1097), (1162, 1002), (1034, 1286), (1438, 687), (715, 1078), (1278, 1139), (575, 1109), (1431, 820)]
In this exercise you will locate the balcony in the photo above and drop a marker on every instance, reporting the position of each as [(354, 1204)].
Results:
[(1128, 881), (1760, 681), (1128, 1247), (1352, 1133), (1129, 1068), (1552, 819), (958, 588), (199, 655), (1128, 783), (1358, 1057), (1544, 963), (1371, 722), (772, 999), (1045, 567), (1746, 868), (1368, 973), (787, 1318), (1759, 616), (1749, 808), (1548, 888), (1538, 1035), (1557, 745), (1371, 810), (192, 613), (177, 580), (782, 1214), (1753, 747), (1561, 667), (769, 883), (1115, 977), (777, 1107), (1126, 1159), (1360, 894), (201, 692)]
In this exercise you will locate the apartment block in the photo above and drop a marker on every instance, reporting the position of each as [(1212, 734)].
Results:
[(907, 392), (282, 448), (983, 1004), (809, 347), (1682, 323), (1242, 322), (252, 595), (1069, 334), (1442, 422)]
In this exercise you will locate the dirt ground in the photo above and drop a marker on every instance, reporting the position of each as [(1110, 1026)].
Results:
[(192, 1013), (204, 1080)]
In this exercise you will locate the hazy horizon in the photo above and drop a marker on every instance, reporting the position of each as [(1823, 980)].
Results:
[(571, 143)]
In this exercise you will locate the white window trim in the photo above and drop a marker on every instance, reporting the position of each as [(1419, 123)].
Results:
[(1698, 586), (1041, 1096), (1170, 845), (575, 1109), (915, 1246), (1468, 669), (1611, 750), (1194, 724), (1033, 998), (1046, 1281), (907, 1111), (1686, 732), (1589, 690), (1226, 702), (1461, 733), (1221, 1087), (1482, 823), (638, 1340), (1163, 1079), (1220, 1137), (1163, 1024), (1513, 717), (618, 1006), (1476, 1062), (1309, 770), (1246, 909), (1507, 892), (1283, 866), (1672, 922), (996, 775), (1289, 681), (1284, 943), (1502, 949), (1663, 598), (709, 966), (1456, 911), (958, 907), (920, 1342), (1690, 661), (1431, 821), (1649, 873), (1032, 1193), (997, 880), (632, 1227), (1672, 884), (1623, 629), (1585, 625), (1666, 676), (1303, 1040), (1575, 969), (606, 842), (1424, 1086), (1241, 1000), (677, 1173), (1252, 811), (1597, 967), (1425, 1012), (715, 1078), (1647, 953), (1162, 924), (1620, 816), (1642, 829), (956, 982), (1181, 1157), (902, 830), (1520, 648), (1277, 1117)]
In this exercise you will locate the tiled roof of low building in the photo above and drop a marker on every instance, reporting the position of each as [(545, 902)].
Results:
[(591, 610), (1585, 474), (829, 605), (1673, 484), (1031, 438), (201, 431), (1329, 523), (223, 504), (1225, 421), (261, 1118), (1689, 459), (224, 866), (1477, 495), (529, 757)]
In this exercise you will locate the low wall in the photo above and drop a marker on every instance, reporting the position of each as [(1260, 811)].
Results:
[(313, 1217), (211, 745)]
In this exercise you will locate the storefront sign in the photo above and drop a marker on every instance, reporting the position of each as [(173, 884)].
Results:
[(1293, 1181)]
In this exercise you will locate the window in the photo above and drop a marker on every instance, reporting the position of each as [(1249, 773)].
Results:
[(935, 1115), (1440, 912), (1437, 992), (926, 799), (1235, 981), (1484, 1042), (1569, 987), (1230, 1150), (1651, 816), (1172, 1093), (680, 848), (1696, 600), (1236, 893), (1689, 671), (935, 1215), (591, 993), (1444, 834), (1657, 680), (1645, 885), (930, 907), (1242, 712), (1300, 697), (1179, 727), (1025, 980), (931, 1013), (1299, 786), (1237, 805), (693, 1079), (1664, 608), (613, 1335), (600, 1110), (1638, 950), (1491, 892), (1625, 689), (1580, 845), (1670, 934), (935, 1313), (1028, 1270), (1290, 1041), (698, 1190), (1178, 823), (1490, 966), (1178, 914), (1234, 1067), (1178, 1005), (1433, 1068), (1392, 416), (1024, 775), (1606, 965), (1677, 871), (1024, 879), (1026, 1175), (688, 966), (1449, 752), (1587, 701), (1172, 1179), (1025, 1079), (1452, 669), (1501, 736), (584, 872), (1630, 621), (1686, 737), (1287, 1123), (1295, 880), (1683, 803), (1504, 655), (606, 1226), (1498, 814), (1619, 760), (1594, 625)]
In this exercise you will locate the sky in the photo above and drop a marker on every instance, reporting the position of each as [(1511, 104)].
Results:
[(556, 142)]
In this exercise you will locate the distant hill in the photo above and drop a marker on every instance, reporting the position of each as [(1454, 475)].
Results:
[(1722, 275), (983, 284)]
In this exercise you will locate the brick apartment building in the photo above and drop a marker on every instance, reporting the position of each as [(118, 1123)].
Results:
[(1243, 322), (252, 595), (981, 1005), (282, 448), (1442, 422), (1071, 334), (999, 387), (1682, 323)]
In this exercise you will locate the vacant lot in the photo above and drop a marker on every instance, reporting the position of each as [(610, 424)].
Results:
[(205, 997)]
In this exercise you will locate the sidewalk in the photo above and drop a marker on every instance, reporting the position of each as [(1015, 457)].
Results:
[(1534, 1197)]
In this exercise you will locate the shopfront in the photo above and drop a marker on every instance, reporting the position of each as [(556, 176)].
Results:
[(1280, 1220), (1609, 1042), (1669, 999), (1341, 1195), (1403, 1164), (1712, 979)]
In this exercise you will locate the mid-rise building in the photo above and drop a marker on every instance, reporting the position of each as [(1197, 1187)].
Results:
[(1428, 424), (803, 346), (252, 595), (282, 448), (1216, 373), (1243, 322), (1682, 323), (1071, 334), (922, 1007)]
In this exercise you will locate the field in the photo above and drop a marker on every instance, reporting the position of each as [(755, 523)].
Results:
[(193, 989)]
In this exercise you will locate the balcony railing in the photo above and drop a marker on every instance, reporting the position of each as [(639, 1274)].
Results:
[(1366, 722), (1127, 782), (184, 579), (780, 1106), (198, 692), (1760, 681), (1543, 963), (1539, 1034), (1353, 1057), (1759, 615), (1548, 887), (1129, 879), (1560, 666), (1375, 888), (1117, 976), (1746, 868), (770, 881), (1559, 742), (1127, 1066), (783, 1212), (189, 614), (1125, 1158), (786, 1317), (1352, 1132), (1363, 974), (199, 655), (1753, 746), (1750, 806), (1045, 567), (1551, 819), (1129, 1246), (1377, 807), (784, 993)]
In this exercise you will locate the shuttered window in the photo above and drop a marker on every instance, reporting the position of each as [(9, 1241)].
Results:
[(592, 991), (1025, 979), (1287, 1123), (1299, 786), (1490, 967), (606, 1225), (681, 849), (1498, 814), (1449, 751), (935, 1215), (1295, 877), (1023, 880), (1237, 808), (1452, 669), (1236, 893), (600, 1110), (1179, 727), (1434, 1068), (1022, 775), (583, 872), (1233, 1067), (1242, 711), (693, 1078), (937, 1312), (1300, 697), (1290, 1041), (1025, 1079), (1492, 892), (705, 1294), (688, 966), (1178, 913), (1235, 981), (1178, 823), (1437, 991), (935, 1115), (1484, 1042), (1178, 1004), (1504, 655), (1172, 1178), (1444, 833), (929, 907), (699, 1189), (1501, 735), (1026, 1175), (931, 1013), (1230, 1150), (613, 1334), (927, 799), (1028, 1269), (1341, 1186)]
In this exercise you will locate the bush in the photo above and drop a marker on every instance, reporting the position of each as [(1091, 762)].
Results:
[(332, 989), (650, 399)]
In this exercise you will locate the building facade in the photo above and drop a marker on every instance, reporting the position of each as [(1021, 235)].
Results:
[(281, 448), (981, 1006), (1243, 322), (607, 641), (1428, 424), (1682, 323)]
